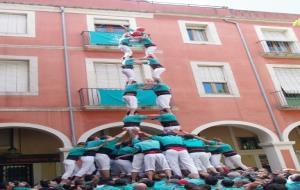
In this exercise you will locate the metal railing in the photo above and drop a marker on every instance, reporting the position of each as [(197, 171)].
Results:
[(280, 48), (288, 100), (112, 98)]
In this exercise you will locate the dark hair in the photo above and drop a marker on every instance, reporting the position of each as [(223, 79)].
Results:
[(204, 187), (211, 180), (191, 186), (91, 138), (78, 182), (44, 183), (274, 186), (188, 136), (278, 180), (148, 182), (227, 183), (120, 182), (104, 180)]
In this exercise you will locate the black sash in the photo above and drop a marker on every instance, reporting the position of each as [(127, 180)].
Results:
[(169, 123), (158, 93), (131, 124)]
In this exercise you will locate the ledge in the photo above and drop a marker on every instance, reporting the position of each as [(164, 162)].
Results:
[(108, 48), (282, 55)]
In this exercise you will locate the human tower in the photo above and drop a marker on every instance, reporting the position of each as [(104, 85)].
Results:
[(171, 152)]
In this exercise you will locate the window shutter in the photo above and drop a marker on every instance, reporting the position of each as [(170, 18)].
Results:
[(111, 22), (275, 36), (13, 23), (14, 76), (211, 74), (289, 79), (109, 75)]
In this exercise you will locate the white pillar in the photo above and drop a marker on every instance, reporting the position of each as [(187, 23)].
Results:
[(275, 157)]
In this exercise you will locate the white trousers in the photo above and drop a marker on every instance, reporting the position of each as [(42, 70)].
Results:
[(169, 129), (150, 50), (129, 73), (69, 166), (177, 158), (87, 166), (125, 166), (163, 101), (201, 160), (157, 72), (102, 161), (215, 160), (126, 50), (131, 101), (152, 159), (138, 162), (234, 162)]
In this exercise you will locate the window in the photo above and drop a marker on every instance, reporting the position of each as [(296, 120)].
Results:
[(17, 23), (107, 73), (18, 75), (277, 39), (109, 28), (214, 79), (199, 32), (109, 24), (286, 79), (248, 143)]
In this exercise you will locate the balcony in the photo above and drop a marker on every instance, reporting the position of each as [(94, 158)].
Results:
[(281, 49), (104, 98), (289, 100), (103, 41)]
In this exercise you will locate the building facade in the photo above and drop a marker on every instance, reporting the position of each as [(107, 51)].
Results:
[(234, 75)]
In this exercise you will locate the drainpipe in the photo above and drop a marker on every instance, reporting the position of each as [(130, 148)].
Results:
[(258, 79), (67, 73)]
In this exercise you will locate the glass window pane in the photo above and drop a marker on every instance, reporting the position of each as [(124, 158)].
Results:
[(208, 88), (220, 87)]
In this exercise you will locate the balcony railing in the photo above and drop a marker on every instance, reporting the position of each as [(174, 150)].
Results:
[(280, 49), (289, 100), (103, 41), (106, 98)]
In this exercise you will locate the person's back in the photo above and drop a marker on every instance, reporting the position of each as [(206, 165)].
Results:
[(275, 186)]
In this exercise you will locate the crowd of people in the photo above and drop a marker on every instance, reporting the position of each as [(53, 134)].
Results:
[(174, 159)]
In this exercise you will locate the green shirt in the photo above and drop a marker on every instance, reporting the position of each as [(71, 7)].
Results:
[(123, 150), (162, 185), (134, 118), (147, 41), (128, 61), (143, 146), (133, 87), (108, 187), (210, 147), (125, 41), (166, 117), (160, 87), (225, 148), (91, 144), (77, 151), (193, 143), (168, 139)]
